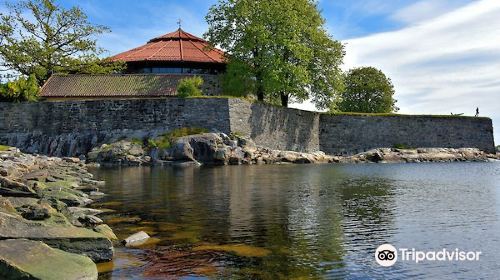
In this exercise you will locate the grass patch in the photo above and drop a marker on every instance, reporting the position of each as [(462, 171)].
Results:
[(166, 140), (137, 141), (4, 148), (402, 147)]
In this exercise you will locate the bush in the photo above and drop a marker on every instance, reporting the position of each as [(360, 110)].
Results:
[(166, 140), (20, 90), (498, 149), (189, 87)]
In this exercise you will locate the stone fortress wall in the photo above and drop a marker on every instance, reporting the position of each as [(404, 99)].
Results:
[(72, 128)]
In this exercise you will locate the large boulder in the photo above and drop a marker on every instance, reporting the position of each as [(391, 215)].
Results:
[(26, 259), (182, 150), (206, 147), (122, 152), (58, 235)]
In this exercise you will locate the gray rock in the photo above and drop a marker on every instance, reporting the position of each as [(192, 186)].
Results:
[(182, 150), (25, 259), (90, 220), (65, 237), (106, 231), (136, 239), (34, 212)]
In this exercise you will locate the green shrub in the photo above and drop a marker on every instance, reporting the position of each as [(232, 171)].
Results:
[(189, 87), (166, 140), (20, 90), (498, 148), (152, 143)]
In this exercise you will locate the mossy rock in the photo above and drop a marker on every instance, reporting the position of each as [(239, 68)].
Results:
[(26, 259), (62, 236)]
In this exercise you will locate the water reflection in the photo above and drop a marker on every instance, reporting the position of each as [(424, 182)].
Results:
[(284, 222)]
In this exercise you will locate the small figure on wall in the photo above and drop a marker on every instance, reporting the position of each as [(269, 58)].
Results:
[(477, 112)]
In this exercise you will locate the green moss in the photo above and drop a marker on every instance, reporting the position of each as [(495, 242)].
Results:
[(402, 147), (4, 148), (137, 141), (166, 140)]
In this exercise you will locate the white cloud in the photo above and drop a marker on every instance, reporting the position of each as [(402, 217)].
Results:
[(450, 63), (426, 9)]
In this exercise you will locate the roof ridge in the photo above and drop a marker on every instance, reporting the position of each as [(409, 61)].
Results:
[(203, 52)]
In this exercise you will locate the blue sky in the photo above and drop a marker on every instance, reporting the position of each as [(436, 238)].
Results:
[(443, 56)]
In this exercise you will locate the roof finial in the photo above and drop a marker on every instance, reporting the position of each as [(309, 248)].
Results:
[(179, 22)]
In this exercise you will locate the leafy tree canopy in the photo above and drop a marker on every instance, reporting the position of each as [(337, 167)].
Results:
[(39, 37), (20, 90), (283, 44), (367, 90)]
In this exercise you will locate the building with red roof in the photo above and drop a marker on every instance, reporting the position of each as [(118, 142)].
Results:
[(153, 71), (178, 52)]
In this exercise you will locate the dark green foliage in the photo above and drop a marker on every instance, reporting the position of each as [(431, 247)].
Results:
[(41, 38), (280, 49), (166, 140), (498, 148), (238, 81), (190, 87), (20, 90), (367, 90)]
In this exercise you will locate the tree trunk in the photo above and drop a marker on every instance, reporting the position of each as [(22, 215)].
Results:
[(260, 87), (284, 99)]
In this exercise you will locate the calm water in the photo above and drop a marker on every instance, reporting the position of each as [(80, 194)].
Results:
[(303, 222)]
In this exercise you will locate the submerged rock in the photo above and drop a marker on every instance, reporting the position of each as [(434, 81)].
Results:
[(39, 261)]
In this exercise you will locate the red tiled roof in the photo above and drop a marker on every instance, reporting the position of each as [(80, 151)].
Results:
[(96, 86), (176, 46)]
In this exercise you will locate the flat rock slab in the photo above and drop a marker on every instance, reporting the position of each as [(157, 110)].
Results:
[(65, 237), (26, 259)]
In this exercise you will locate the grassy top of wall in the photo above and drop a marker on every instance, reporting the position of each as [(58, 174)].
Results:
[(401, 115), (354, 114)]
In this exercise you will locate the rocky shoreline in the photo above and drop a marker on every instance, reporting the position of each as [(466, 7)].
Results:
[(46, 231), (220, 149), (45, 223)]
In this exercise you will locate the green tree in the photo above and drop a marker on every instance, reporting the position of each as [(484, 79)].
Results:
[(367, 90), (284, 45), (237, 80), (23, 89), (189, 87), (39, 37)]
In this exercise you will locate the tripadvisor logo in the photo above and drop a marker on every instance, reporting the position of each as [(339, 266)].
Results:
[(387, 255)]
